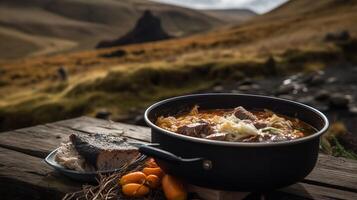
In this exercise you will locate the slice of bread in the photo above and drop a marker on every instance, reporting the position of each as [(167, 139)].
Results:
[(104, 152)]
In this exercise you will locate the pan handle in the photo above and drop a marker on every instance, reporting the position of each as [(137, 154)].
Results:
[(165, 155)]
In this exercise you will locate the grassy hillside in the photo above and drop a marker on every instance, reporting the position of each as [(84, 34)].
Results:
[(293, 35), (83, 23), (233, 16)]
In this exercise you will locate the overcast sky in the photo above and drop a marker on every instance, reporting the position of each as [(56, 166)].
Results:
[(259, 6)]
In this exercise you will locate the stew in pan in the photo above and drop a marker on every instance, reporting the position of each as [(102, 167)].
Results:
[(237, 125)]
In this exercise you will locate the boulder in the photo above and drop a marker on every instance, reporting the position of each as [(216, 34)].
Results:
[(147, 29), (285, 89), (140, 120), (339, 36), (309, 100), (339, 101), (353, 110), (322, 95), (270, 66), (62, 73), (114, 54), (317, 79), (103, 114), (218, 88)]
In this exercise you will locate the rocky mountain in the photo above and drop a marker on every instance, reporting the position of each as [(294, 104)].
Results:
[(42, 27), (148, 28)]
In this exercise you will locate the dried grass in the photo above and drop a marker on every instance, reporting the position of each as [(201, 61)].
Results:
[(108, 188)]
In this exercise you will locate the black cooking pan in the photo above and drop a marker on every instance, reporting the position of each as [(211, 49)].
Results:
[(236, 166)]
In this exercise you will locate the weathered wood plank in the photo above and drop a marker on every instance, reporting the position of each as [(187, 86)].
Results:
[(36, 141), (297, 191), (93, 125), (26, 177), (50, 136), (339, 173), (311, 191), (332, 177)]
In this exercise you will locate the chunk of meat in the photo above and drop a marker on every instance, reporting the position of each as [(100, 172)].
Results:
[(260, 124), (200, 129), (243, 114), (217, 136)]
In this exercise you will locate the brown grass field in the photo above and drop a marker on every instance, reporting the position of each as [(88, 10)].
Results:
[(34, 27), (293, 34)]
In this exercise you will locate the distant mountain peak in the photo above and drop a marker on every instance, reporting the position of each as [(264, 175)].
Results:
[(148, 28)]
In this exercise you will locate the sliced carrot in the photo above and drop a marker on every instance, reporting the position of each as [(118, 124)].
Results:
[(133, 177), (153, 181), (173, 188), (135, 190), (153, 170)]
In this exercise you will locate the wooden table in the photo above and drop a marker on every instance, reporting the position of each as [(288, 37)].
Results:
[(24, 175)]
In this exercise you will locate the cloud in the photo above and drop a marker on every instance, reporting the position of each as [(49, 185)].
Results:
[(259, 6)]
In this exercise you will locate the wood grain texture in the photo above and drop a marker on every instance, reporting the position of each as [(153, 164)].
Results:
[(26, 177), (49, 136), (297, 192), (311, 191), (92, 125), (338, 173), (332, 178), (36, 141)]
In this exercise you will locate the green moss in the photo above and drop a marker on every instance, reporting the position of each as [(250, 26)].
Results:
[(119, 91), (297, 60), (339, 151)]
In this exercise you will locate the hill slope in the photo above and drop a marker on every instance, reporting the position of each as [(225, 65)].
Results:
[(83, 23), (291, 37), (147, 29), (232, 16)]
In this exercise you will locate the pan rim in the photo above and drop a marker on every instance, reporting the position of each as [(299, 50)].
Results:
[(238, 144)]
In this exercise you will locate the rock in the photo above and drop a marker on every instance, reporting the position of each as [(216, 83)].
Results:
[(103, 114), (317, 80), (218, 88), (337, 36), (245, 81), (62, 73), (321, 107), (114, 54), (148, 28), (255, 86), (339, 101), (140, 120), (285, 89), (245, 87), (331, 80), (353, 110), (270, 66), (322, 95), (309, 100)]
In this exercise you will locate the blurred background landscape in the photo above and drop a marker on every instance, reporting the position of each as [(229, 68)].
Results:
[(110, 59)]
